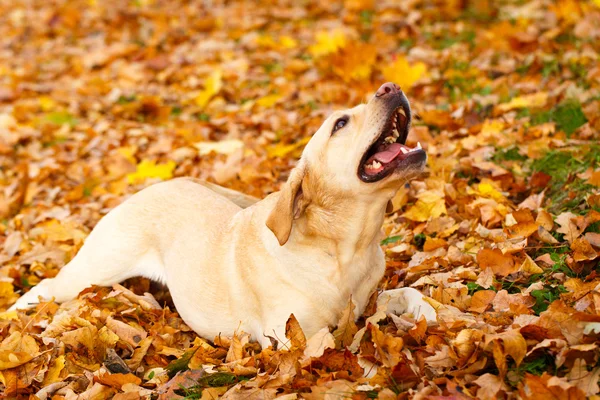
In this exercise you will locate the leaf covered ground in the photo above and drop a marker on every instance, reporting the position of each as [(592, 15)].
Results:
[(99, 99)]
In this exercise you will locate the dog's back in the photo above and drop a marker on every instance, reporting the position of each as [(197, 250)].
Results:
[(135, 238)]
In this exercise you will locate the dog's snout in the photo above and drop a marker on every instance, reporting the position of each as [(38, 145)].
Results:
[(388, 88)]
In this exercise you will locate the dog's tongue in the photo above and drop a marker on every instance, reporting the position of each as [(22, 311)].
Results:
[(389, 153)]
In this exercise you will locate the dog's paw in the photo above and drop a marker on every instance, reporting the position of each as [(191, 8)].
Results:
[(406, 300), (31, 298), (420, 308)]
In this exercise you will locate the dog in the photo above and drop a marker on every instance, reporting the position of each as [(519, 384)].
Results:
[(233, 263)]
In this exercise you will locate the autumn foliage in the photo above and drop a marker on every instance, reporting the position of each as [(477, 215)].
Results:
[(99, 99)]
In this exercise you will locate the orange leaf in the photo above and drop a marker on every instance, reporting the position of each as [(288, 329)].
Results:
[(294, 333), (418, 332), (346, 327), (595, 178), (481, 300), (117, 380), (499, 263), (547, 387), (433, 243), (582, 250), (389, 347)]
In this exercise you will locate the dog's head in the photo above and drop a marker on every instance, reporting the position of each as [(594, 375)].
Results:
[(358, 153)]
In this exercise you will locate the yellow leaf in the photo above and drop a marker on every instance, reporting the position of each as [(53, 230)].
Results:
[(535, 100), (149, 169), (430, 204), (487, 189), (10, 359), (212, 86), (62, 232), (327, 43), (266, 41), (269, 100), (222, 147), (404, 74), (46, 103), (6, 289), (492, 127), (9, 315), (288, 42), (280, 150), (530, 266), (17, 349), (54, 371), (128, 152)]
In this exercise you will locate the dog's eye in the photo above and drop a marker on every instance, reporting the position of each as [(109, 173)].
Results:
[(340, 123)]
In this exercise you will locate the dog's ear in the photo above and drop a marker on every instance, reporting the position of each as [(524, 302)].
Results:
[(289, 206), (389, 207)]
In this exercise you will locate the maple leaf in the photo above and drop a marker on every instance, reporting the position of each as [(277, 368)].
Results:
[(404, 74), (150, 169), (212, 86), (430, 204), (327, 43), (346, 327), (295, 335), (535, 100), (500, 264), (568, 227)]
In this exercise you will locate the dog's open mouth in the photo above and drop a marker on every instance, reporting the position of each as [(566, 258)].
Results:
[(389, 152)]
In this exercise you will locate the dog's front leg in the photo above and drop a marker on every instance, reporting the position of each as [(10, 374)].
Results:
[(274, 336), (406, 300)]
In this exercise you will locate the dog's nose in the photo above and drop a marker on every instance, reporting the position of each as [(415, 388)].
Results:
[(387, 88)]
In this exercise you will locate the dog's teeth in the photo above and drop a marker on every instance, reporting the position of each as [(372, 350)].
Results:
[(401, 111), (374, 165), (390, 139), (419, 145), (395, 133), (404, 151)]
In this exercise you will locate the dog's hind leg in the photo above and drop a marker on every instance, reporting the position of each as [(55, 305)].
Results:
[(113, 252)]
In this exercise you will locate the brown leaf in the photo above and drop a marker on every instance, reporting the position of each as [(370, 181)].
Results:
[(568, 226), (534, 387), (418, 332), (593, 238), (126, 332), (509, 343), (294, 333), (117, 380), (388, 347), (582, 250), (346, 327), (180, 381), (585, 380), (489, 386), (339, 361)]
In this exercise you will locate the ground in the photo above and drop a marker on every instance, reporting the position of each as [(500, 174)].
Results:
[(99, 99)]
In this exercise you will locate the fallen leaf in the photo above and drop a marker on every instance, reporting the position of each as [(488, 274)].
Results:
[(212, 86), (346, 327), (150, 169), (403, 73), (500, 264)]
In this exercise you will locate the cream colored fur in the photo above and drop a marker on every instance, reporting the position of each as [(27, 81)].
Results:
[(231, 263)]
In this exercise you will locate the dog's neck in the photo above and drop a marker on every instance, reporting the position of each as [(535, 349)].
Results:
[(343, 226)]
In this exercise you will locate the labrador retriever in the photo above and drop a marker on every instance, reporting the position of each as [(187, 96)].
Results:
[(233, 264)]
